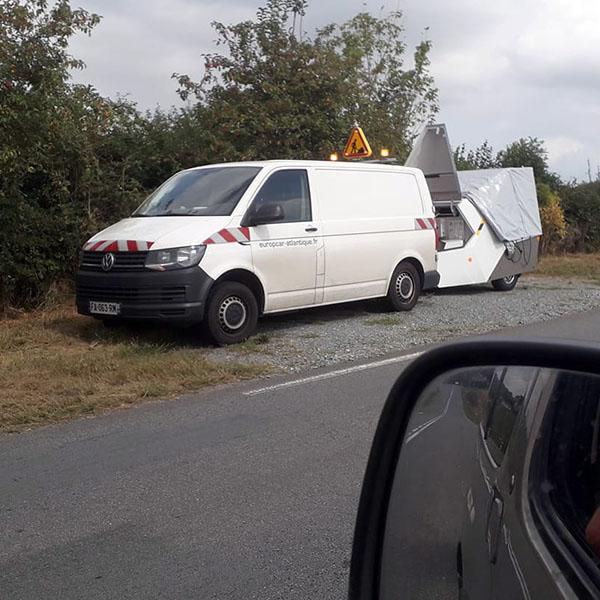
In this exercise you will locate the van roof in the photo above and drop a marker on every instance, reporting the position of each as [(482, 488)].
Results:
[(313, 163)]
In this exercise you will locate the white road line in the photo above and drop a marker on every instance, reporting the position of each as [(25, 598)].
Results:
[(332, 374), (421, 428)]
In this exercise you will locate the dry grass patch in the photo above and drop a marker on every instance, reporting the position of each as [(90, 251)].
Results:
[(55, 365), (579, 266)]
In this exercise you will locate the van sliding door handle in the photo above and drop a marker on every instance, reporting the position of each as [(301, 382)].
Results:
[(311, 229)]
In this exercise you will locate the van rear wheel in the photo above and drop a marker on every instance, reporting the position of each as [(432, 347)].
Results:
[(231, 313), (405, 287)]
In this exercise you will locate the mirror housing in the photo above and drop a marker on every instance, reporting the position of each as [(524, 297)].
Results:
[(267, 213), (376, 495)]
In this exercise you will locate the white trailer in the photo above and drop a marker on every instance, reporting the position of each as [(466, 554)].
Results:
[(488, 220)]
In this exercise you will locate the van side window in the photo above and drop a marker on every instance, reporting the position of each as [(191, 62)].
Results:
[(289, 189), (507, 396)]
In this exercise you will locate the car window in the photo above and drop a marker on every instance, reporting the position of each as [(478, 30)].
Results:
[(289, 189), (574, 462), (566, 495), (507, 395)]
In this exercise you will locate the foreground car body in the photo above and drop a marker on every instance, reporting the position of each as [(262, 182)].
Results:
[(482, 479)]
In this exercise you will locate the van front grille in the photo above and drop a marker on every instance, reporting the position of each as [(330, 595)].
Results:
[(124, 261)]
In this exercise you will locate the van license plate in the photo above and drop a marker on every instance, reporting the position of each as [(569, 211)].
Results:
[(105, 308)]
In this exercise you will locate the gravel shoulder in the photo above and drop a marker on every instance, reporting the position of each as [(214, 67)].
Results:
[(325, 336)]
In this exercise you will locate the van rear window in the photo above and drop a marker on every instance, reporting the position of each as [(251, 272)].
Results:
[(210, 192)]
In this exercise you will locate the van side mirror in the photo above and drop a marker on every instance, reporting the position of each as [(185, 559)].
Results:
[(484, 477), (265, 213)]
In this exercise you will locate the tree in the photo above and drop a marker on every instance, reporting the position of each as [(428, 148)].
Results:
[(277, 94), (271, 95), (43, 155), (72, 161), (529, 152), (389, 99), (481, 157), (525, 152)]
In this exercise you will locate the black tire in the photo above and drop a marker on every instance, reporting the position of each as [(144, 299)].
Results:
[(506, 283), (231, 313), (405, 287)]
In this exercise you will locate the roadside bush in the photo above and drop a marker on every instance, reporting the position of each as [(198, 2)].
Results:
[(71, 161), (37, 247), (582, 206), (553, 220)]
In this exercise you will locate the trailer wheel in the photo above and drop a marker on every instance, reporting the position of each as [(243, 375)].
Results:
[(506, 283), (231, 313), (405, 287)]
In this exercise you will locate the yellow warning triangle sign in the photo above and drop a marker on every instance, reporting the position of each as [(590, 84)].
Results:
[(357, 145)]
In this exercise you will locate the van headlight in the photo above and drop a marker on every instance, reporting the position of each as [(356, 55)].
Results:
[(174, 258)]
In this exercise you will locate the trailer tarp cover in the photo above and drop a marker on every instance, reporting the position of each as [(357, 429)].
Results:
[(506, 198)]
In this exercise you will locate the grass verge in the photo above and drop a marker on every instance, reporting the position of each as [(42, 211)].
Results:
[(578, 266), (55, 365)]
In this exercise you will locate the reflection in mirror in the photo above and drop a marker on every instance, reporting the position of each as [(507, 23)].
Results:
[(457, 526)]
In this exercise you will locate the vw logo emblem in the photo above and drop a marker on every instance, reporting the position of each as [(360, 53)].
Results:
[(108, 260)]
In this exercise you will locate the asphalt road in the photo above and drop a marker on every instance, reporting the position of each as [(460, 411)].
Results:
[(222, 494)]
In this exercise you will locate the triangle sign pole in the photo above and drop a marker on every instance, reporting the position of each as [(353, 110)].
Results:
[(357, 145)]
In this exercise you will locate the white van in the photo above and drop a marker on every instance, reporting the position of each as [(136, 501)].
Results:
[(224, 244)]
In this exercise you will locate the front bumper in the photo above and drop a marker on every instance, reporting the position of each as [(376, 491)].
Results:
[(149, 295)]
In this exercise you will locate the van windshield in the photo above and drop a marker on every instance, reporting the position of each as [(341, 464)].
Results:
[(211, 192)]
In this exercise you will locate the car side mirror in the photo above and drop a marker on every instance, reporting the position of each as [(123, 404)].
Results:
[(264, 214), (484, 477)]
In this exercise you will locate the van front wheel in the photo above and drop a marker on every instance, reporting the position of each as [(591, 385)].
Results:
[(405, 287), (231, 313)]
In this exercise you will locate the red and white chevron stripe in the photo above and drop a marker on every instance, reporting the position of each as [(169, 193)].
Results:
[(118, 246), (427, 223), (227, 236)]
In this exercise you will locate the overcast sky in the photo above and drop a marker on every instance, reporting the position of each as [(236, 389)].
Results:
[(505, 69)]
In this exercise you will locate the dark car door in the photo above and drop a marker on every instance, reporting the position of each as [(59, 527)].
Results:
[(506, 530), (547, 550), (483, 533)]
